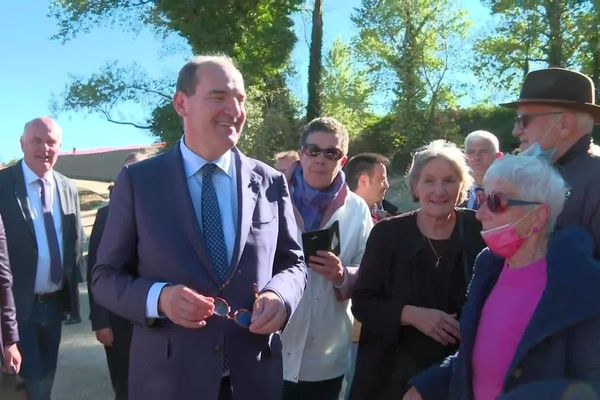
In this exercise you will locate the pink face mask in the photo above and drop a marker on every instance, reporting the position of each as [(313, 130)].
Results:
[(504, 240)]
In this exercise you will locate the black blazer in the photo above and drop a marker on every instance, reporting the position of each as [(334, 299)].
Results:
[(22, 245)]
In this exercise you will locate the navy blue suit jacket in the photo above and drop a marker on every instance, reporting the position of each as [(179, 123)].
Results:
[(152, 235)]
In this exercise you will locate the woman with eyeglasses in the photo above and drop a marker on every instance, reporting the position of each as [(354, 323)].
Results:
[(531, 326), (413, 277)]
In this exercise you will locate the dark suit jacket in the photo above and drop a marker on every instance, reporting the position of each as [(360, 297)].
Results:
[(8, 322), (22, 246), (152, 235), (99, 316)]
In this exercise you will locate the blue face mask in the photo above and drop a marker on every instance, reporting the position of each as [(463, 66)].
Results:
[(535, 150)]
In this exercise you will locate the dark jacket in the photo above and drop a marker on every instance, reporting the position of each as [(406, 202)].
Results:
[(580, 167), (8, 322), (559, 352), (383, 289)]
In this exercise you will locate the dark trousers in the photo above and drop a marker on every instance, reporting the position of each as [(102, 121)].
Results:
[(321, 390), (117, 356), (225, 393), (39, 340)]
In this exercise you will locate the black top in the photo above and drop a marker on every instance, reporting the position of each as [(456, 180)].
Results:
[(398, 269)]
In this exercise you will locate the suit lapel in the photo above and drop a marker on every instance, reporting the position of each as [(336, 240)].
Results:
[(247, 193), (21, 196), (175, 176)]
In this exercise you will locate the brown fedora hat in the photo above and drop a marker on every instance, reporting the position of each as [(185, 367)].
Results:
[(559, 87)]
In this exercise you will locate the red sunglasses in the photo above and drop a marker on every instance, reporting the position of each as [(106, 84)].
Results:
[(497, 202)]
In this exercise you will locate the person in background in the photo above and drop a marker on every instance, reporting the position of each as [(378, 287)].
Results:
[(556, 113), (481, 149), (284, 159), (10, 357), (366, 174), (413, 277), (317, 339), (200, 252), (40, 210), (530, 326), (113, 331)]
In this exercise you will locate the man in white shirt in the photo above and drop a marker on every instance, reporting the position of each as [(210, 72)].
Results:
[(481, 149), (40, 209)]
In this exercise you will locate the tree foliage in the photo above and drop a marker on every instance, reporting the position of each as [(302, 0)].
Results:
[(346, 90), (257, 34), (407, 45), (530, 33)]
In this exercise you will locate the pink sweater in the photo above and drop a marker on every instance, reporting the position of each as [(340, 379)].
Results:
[(505, 315)]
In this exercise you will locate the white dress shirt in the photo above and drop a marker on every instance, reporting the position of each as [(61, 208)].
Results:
[(43, 283), (225, 182)]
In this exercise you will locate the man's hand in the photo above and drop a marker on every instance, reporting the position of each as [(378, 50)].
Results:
[(412, 394), (329, 265), (434, 323), (12, 359), (105, 336), (268, 314), (185, 307)]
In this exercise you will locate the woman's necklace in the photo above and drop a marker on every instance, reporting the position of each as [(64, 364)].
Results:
[(435, 253)]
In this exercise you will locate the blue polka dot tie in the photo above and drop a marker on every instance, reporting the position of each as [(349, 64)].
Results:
[(212, 227)]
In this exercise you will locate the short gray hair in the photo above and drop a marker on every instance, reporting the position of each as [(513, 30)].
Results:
[(187, 80), (534, 180), (440, 149), (484, 135)]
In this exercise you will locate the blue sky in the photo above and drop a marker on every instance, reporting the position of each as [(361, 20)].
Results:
[(34, 68)]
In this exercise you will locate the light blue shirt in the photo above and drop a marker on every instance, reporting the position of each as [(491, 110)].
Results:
[(225, 182), (43, 283)]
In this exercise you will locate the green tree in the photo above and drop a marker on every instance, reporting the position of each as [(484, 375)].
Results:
[(528, 34), (257, 34), (408, 45), (346, 90)]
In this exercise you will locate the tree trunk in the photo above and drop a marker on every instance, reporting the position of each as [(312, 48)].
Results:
[(554, 11), (313, 106)]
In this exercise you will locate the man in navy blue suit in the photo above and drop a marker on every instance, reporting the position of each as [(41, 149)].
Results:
[(202, 221)]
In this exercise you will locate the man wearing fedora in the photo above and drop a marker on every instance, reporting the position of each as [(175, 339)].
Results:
[(556, 113)]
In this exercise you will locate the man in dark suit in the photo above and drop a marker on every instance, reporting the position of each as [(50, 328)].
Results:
[(10, 358), (40, 209), (201, 222), (113, 331)]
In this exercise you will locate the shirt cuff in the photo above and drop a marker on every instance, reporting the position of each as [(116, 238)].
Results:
[(152, 300)]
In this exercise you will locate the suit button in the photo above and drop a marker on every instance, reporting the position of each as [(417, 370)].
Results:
[(517, 374), (217, 348)]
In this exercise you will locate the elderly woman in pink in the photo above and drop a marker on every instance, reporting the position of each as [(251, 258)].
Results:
[(531, 326)]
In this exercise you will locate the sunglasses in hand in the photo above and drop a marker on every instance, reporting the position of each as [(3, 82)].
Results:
[(497, 202), (242, 317)]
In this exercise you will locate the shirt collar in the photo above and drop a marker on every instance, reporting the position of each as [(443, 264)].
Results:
[(192, 162), (31, 177)]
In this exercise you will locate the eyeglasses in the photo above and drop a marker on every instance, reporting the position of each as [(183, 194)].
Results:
[(332, 153), (242, 317), (497, 202), (522, 120)]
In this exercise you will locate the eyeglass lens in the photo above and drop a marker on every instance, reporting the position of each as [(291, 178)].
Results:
[(242, 316)]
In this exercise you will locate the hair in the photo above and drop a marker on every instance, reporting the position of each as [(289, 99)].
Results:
[(362, 163), (329, 125), (187, 80), (293, 154), (534, 180), (483, 135), (444, 150), (49, 122), (134, 157), (585, 122)]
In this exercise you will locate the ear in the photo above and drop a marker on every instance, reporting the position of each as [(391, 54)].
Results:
[(542, 215), (499, 155), (180, 103), (363, 179), (566, 124), (344, 160)]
